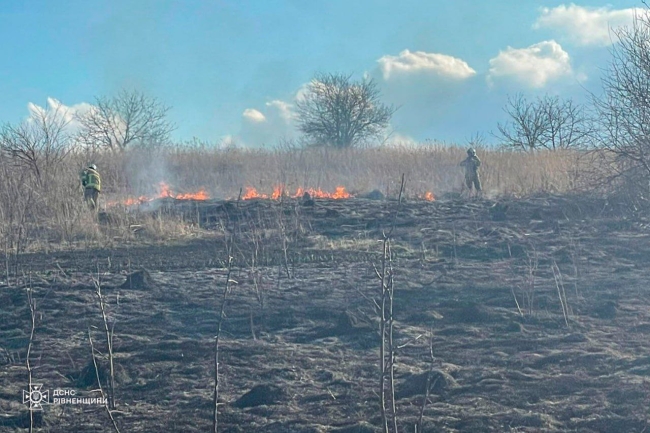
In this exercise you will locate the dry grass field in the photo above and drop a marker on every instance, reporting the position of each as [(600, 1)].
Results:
[(40, 205), (525, 310)]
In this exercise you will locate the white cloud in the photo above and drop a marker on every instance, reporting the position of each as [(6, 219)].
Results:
[(422, 84), (282, 108), (425, 86), (408, 62), (57, 114), (253, 115), (55, 111), (272, 123), (585, 25), (533, 66)]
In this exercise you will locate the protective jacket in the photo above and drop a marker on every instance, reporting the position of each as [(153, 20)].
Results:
[(471, 164), (90, 179)]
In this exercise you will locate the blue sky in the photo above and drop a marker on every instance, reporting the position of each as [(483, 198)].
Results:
[(232, 69)]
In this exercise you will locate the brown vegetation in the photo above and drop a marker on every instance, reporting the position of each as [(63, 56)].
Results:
[(49, 213)]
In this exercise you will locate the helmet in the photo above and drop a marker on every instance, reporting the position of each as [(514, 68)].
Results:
[(471, 151), (93, 166)]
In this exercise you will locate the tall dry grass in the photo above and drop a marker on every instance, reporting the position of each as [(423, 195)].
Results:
[(47, 210), (432, 168)]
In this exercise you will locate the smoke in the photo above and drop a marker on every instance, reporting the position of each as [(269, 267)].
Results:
[(146, 169)]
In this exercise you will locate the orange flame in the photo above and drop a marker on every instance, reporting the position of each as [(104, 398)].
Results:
[(279, 191), (164, 191), (428, 196), (252, 193)]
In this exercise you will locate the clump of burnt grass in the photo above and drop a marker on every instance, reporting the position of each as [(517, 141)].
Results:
[(41, 204)]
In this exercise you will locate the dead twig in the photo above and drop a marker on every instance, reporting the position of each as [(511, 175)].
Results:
[(32, 313), (222, 315), (561, 293), (99, 383), (386, 326), (429, 385), (109, 341)]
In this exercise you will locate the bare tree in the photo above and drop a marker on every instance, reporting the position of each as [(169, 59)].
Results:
[(39, 143), (126, 119), (546, 123), (624, 106), (336, 111)]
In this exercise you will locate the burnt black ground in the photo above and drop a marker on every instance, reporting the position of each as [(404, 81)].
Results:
[(299, 349)]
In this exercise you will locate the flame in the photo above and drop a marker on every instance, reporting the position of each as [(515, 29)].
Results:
[(164, 191), (339, 193), (252, 193), (279, 191), (200, 195)]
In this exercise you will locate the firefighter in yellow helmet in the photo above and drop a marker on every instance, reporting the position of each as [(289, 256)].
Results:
[(92, 184), (471, 165)]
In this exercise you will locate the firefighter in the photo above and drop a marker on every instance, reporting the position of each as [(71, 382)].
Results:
[(92, 184), (471, 165)]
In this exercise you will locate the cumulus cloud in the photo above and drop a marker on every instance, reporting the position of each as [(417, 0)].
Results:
[(58, 115), (283, 109), (585, 25), (408, 62), (272, 123), (253, 115), (55, 111), (425, 86), (533, 66)]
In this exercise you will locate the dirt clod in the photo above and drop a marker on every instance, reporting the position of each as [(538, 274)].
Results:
[(606, 310), (374, 195), (350, 323), (138, 280), (260, 395), (87, 378), (416, 384)]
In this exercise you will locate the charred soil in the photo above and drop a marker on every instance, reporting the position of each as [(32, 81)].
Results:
[(538, 310)]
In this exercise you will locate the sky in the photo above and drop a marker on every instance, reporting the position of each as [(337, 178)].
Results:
[(231, 69)]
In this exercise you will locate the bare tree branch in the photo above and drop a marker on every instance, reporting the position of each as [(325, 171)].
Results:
[(38, 144), (129, 118), (546, 123), (624, 106)]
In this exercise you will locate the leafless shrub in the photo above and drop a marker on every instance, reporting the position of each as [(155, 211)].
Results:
[(546, 123), (624, 106), (387, 345), (39, 144)]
